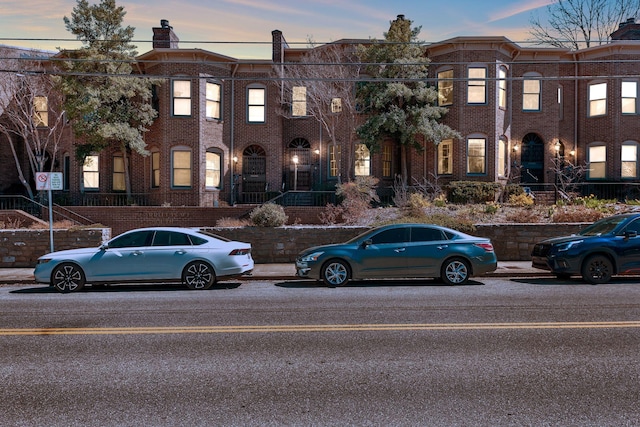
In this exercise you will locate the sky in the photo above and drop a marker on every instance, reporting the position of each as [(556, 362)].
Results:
[(242, 28)]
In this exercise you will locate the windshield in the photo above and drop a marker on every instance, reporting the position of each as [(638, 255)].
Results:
[(603, 226)]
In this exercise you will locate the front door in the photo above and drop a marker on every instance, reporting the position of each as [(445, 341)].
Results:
[(532, 159)]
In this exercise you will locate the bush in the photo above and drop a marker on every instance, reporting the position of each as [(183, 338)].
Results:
[(491, 208), (577, 214), (357, 197), (416, 204), (473, 192), (268, 215), (521, 199)]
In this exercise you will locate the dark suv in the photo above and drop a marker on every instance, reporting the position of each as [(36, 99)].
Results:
[(607, 247)]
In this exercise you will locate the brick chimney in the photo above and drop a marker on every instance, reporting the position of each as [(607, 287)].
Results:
[(164, 37), (627, 30), (278, 45)]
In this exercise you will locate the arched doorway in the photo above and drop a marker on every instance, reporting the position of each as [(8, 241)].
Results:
[(532, 159), (300, 174), (254, 174)]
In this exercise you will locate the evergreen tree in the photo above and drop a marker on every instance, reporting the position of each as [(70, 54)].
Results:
[(399, 103), (108, 105)]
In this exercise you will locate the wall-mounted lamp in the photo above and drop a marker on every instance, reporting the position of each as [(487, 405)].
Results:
[(573, 153), (556, 146), (515, 148), (317, 151)]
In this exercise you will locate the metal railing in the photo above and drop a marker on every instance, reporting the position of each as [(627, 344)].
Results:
[(40, 210)]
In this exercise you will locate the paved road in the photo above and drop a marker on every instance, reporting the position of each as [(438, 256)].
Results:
[(524, 351)]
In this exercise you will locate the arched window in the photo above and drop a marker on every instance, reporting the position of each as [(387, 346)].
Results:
[(363, 161)]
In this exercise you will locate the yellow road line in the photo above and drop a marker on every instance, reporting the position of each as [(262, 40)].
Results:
[(317, 328)]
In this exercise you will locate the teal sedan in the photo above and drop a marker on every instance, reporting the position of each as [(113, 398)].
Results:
[(400, 251)]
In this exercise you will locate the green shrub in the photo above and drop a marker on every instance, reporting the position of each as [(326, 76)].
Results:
[(440, 201), (268, 215), (491, 208), (473, 192)]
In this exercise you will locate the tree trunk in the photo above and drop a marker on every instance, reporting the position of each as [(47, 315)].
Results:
[(24, 182)]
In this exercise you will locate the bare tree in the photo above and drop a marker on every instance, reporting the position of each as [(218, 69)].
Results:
[(30, 115), (324, 81), (577, 24)]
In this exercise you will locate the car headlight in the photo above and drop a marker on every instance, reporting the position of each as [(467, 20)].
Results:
[(311, 257), (44, 260), (568, 245)]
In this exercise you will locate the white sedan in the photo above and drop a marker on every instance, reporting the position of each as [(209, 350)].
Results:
[(167, 254)]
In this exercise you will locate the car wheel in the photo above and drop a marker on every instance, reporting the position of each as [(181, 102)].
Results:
[(455, 271), (67, 277), (597, 269), (335, 273), (198, 275), (563, 276)]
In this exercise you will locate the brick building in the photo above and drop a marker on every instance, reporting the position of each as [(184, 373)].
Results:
[(225, 133)]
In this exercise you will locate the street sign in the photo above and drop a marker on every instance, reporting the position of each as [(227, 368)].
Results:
[(49, 181)]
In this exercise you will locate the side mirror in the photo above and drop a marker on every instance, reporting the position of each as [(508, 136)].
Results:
[(104, 247), (630, 234), (366, 243)]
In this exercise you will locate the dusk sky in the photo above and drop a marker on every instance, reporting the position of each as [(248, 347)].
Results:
[(251, 21)]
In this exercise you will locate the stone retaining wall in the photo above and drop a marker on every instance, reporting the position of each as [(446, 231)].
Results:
[(512, 242)]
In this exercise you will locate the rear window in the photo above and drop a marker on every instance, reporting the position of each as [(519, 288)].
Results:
[(215, 236)]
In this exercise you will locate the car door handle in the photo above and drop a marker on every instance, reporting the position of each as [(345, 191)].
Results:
[(443, 247), (181, 252), (399, 250), (136, 253)]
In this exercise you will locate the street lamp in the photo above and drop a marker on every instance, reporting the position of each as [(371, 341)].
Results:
[(556, 169), (234, 181), (295, 173)]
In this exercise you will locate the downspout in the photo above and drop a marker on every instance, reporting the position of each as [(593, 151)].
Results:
[(232, 119)]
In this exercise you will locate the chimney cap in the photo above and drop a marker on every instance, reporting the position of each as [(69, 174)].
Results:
[(164, 23)]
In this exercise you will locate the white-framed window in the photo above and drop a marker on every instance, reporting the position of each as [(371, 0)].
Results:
[(299, 101), (476, 155), (181, 95), (387, 160), (363, 161), (214, 99), (117, 180), (334, 160), (181, 168), (477, 85), (502, 157), (445, 87), (597, 99), (91, 172), (629, 160), (629, 97), (256, 99), (531, 91), (597, 159), (41, 111), (213, 168), (155, 168), (502, 88), (336, 105), (445, 157)]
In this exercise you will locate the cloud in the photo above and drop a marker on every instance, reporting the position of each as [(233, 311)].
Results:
[(521, 7)]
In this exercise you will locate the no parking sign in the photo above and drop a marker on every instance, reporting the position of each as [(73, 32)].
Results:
[(48, 181)]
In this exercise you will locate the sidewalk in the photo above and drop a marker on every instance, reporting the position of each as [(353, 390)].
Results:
[(288, 271)]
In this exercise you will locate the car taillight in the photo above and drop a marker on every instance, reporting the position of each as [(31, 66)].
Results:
[(240, 252), (488, 247)]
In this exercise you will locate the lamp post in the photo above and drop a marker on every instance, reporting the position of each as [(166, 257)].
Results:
[(295, 173), (556, 170), (234, 181)]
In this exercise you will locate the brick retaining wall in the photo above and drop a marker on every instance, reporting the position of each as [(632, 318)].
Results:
[(513, 242), (21, 248)]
